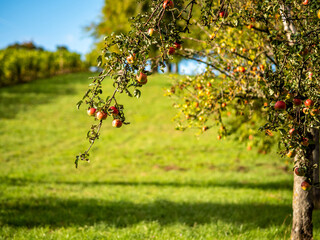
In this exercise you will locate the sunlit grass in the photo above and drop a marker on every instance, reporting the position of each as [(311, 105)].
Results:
[(144, 181)]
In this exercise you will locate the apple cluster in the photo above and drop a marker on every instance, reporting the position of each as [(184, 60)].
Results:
[(102, 115)]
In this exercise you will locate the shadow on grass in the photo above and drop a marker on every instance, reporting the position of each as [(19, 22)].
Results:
[(55, 212), (276, 185), (14, 99)]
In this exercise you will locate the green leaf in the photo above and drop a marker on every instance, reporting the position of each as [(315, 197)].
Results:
[(99, 61), (79, 104), (137, 93)]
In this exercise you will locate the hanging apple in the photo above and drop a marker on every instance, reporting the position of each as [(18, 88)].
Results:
[(142, 78), (115, 111), (305, 186), (116, 123), (91, 111), (280, 105), (101, 115), (308, 103)]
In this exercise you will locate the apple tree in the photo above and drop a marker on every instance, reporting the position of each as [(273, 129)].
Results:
[(262, 66)]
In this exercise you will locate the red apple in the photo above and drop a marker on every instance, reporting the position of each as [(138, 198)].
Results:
[(297, 101), (168, 3), (171, 50), (314, 112), (205, 128), (116, 123), (115, 111), (142, 78), (299, 171), (305, 186), (131, 58), (241, 69), (91, 111), (291, 154), (308, 103), (280, 105), (292, 131), (305, 2), (310, 74), (150, 31), (101, 115), (223, 14), (177, 46)]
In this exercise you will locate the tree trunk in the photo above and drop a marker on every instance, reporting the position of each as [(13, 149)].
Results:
[(316, 191), (169, 67), (302, 205), (302, 202), (177, 67), (154, 66)]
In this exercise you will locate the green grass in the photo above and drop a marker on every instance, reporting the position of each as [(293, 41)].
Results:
[(145, 180)]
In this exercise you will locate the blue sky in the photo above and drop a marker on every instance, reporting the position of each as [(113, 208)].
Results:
[(48, 23)]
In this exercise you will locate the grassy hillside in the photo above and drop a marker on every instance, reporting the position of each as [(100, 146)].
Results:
[(144, 181)]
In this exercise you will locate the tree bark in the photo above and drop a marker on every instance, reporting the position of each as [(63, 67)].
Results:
[(316, 191), (177, 67), (169, 67), (302, 202)]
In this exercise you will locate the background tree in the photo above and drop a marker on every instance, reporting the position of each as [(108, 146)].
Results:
[(261, 59)]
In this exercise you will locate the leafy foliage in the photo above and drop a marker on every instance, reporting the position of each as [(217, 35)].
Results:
[(259, 54), (19, 64)]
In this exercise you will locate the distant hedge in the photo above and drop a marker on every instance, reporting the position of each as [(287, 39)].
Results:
[(24, 65)]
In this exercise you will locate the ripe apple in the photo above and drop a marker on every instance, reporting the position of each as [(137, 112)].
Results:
[(177, 45), (171, 50), (131, 58), (297, 101), (223, 14), (241, 69), (261, 67), (233, 50), (250, 26), (209, 84), (291, 154), (142, 78), (292, 131), (308, 103), (150, 31), (318, 14), (101, 115), (91, 111), (305, 186), (223, 105), (168, 3), (305, 110), (115, 111), (280, 105), (299, 171), (116, 123), (314, 112), (310, 75), (219, 137), (205, 128), (305, 2)]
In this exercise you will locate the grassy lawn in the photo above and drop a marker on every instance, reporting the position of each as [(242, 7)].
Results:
[(144, 181)]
